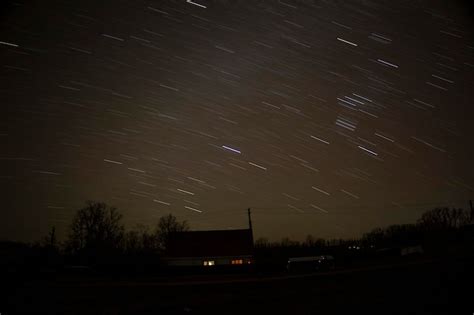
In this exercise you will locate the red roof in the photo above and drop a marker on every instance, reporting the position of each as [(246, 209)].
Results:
[(210, 243)]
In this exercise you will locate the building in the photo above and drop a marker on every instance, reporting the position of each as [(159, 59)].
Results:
[(211, 248)]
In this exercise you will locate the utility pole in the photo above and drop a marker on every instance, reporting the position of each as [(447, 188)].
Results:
[(250, 218), (52, 237), (471, 214), (250, 225)]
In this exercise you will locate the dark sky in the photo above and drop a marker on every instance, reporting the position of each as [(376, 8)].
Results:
[(325, 117)]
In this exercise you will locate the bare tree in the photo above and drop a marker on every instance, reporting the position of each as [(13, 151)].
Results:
[(140, 239), (287, 242), (443, 218), (131, 242), (309, 241), (50, 240), (167, 225), (262, 242), (96, 226)]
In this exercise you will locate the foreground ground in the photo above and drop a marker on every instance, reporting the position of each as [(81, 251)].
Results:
[(426, 287)]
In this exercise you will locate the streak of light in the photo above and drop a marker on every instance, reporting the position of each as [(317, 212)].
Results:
[(111, 161), (347, 42), (185, 191), (319, 208), (231, 149), (196, 4), (193, 209), (162, 202), (259, 166), (321, 191), (367, 150)]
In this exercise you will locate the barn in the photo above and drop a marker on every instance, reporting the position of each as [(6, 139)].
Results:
[(210, 249)]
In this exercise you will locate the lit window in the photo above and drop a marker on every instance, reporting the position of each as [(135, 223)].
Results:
[(237, 262), (208, 263)]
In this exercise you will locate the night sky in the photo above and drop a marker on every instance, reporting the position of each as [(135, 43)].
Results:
[(325, 117)]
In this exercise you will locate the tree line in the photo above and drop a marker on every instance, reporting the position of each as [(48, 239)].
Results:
[(97, 233), (437, 232), (97, 236), (438, 221)]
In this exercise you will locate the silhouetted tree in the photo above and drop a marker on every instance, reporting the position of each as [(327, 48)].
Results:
[(50, 240), (261, 242), (375, 237), (315, 243), (140, 240), (309, 241), (287, 242), (96, 227), (393, 236), (166, 225), (46, 252), (131, 242), (443, 219), (320, 242)]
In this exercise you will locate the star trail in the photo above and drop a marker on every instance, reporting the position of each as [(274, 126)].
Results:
[(324, 117)]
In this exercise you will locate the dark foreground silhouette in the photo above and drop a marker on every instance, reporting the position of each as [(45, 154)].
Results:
[(422, 287), (422, 268)]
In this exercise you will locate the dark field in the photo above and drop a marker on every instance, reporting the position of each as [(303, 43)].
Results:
[(435, 287)]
